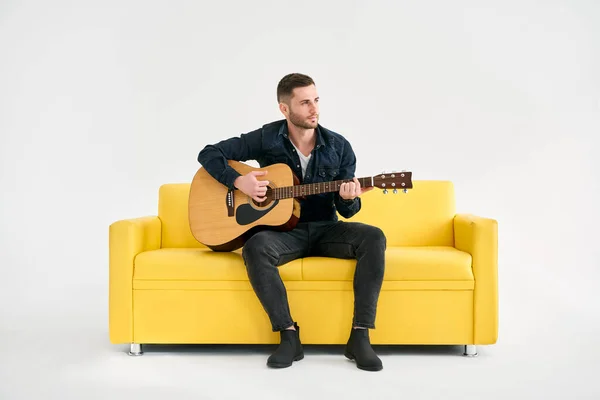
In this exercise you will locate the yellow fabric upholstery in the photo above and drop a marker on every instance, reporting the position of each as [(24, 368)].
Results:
[(422, 217), (440, 284), (479, 237), (127, 239), (401, 264), (424, 267), (173, 213), (201, 265)]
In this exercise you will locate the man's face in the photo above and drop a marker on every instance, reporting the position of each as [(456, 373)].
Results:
[(304, 107)]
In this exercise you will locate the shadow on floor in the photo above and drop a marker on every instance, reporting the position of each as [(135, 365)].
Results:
[(266, 349)]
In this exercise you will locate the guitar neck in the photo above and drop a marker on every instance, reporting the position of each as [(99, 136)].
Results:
[(287, 192)]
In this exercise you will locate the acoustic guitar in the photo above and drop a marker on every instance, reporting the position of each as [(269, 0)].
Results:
[(223, 219)]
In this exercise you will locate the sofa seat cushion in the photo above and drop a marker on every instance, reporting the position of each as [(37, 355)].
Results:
[(200, 264), (419, 268), (419, 263)]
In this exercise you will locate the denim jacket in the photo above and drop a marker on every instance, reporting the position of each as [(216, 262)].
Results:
[(332, 159)]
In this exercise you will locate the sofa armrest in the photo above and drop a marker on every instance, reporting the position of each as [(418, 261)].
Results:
[(478, 236), (127, 238)]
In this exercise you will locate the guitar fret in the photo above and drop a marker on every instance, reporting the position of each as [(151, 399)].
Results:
[(314, 188)]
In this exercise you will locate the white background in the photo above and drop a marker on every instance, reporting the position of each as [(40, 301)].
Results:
[(103, 101)]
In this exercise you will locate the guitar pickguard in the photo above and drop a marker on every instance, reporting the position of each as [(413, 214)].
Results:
[(246, 214)]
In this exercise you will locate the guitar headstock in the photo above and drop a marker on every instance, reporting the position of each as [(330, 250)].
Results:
[(393, 181)]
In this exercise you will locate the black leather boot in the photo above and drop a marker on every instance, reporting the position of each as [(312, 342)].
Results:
[(359, 348), (290, 349)]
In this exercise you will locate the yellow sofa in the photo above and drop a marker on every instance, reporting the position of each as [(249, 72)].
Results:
[(440, 285)]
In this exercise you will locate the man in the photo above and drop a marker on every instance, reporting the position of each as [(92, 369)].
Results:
[(315, 154)]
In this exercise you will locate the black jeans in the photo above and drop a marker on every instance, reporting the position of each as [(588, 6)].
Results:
[(267, 250)]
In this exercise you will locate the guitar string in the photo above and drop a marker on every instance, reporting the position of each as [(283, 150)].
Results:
[(318, 188)]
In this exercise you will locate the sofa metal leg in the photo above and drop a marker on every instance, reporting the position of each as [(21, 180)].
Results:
[(135, 349), (470, 350)]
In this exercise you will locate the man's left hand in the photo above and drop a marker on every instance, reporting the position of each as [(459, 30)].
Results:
[(351, 190)]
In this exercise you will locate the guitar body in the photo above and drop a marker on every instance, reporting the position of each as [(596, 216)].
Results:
[(224, 220)]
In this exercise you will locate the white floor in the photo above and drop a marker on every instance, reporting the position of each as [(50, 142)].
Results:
[(547, 349)]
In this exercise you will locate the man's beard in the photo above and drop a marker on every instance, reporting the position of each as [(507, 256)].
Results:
[(303, 123)]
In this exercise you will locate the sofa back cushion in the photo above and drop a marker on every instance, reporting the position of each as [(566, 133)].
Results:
[(173, 214), (421, 217)]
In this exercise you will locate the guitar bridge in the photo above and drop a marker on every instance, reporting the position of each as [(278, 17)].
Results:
[(229, 202)]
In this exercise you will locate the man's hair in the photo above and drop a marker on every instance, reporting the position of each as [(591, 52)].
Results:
[(288, 83)]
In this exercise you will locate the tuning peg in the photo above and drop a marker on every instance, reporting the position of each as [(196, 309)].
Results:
[(404, 190), (384, 191), (395, 191)]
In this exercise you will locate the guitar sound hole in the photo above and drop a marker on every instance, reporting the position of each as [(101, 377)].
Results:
[(267, 201)]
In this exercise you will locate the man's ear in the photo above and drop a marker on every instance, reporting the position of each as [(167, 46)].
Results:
[(284, 109)]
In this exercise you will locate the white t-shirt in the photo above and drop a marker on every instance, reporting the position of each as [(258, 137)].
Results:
[(303, 159)]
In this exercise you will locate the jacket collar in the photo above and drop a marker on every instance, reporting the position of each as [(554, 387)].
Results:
[(319, 130)]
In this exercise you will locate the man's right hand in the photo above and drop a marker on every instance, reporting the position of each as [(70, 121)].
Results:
[(252, 186)]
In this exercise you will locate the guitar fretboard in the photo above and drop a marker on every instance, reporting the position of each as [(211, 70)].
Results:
[(287, 192)]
